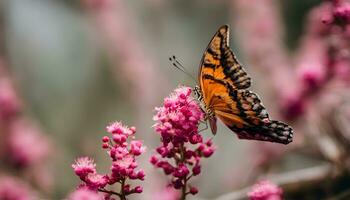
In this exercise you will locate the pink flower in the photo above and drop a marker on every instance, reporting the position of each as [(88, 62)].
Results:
[(341, 13), (12, 188), (265, 190), (85, 194), (167, 193), (96, 181), (27, 144), (118, 128), (182, 146), (312, 62), (342, 70), (84, 166), (123, 157), (136, 147), (9, 102), (138, 189), (193, 190), (181, 171)]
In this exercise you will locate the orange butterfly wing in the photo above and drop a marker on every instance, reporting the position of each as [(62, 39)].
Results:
[(220, 62), (223, 84)]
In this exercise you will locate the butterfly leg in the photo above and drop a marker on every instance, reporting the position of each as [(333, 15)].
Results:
[(206, 125)]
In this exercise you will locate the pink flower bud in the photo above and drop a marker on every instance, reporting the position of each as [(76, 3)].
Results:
[(208, 152), (105, 139), (127, 188), (154, 160), (177, 183), (136, 147), (133, 129), (196, 170), (181, 171), (105, 145), (193, 190), (141, 175), (138, 189)]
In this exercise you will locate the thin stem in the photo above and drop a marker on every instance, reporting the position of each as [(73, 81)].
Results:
[(109, 192), (183, 191), (184, 186), (122, 192)]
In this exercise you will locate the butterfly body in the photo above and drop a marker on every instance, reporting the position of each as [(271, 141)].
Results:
[(223, 90)]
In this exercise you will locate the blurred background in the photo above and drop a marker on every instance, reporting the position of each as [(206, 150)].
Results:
[(69, 68)]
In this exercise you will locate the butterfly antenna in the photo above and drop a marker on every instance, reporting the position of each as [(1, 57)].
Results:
[(179, 66)]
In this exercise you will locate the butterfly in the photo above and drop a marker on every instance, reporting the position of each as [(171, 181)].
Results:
[(223, 91)]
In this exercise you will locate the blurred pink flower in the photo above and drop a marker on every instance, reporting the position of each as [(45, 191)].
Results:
[(342, 70), (85, 194), (312, 60), (265, 190), (9, 102), (261, 36), (264, 153), (292, 105), (182, 146), (168, 193), (341, 13), (116, 29), (14, 189), (97, 4), (27, 144), (319, 20)]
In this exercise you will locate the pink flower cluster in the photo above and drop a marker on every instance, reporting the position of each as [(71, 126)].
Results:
[(340, 13), (323, 56), (16, 189), (24, 135), (182, 146), (265, 190), (24, 149), (123, 156), (85, 194), (85, 168)]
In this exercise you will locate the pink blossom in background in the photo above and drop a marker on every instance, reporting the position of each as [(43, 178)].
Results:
[(311, 64), (341, 13), (182, 146), (85, 194), (342, 70), (24, 148), (9, 102), (319, 19), (12, 188), (97, 4), (323, 56), (264, 152), (116, 29), (261, 37), (265, 190), (27, 145), (124, 166), (168, 193), (292, 105)]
